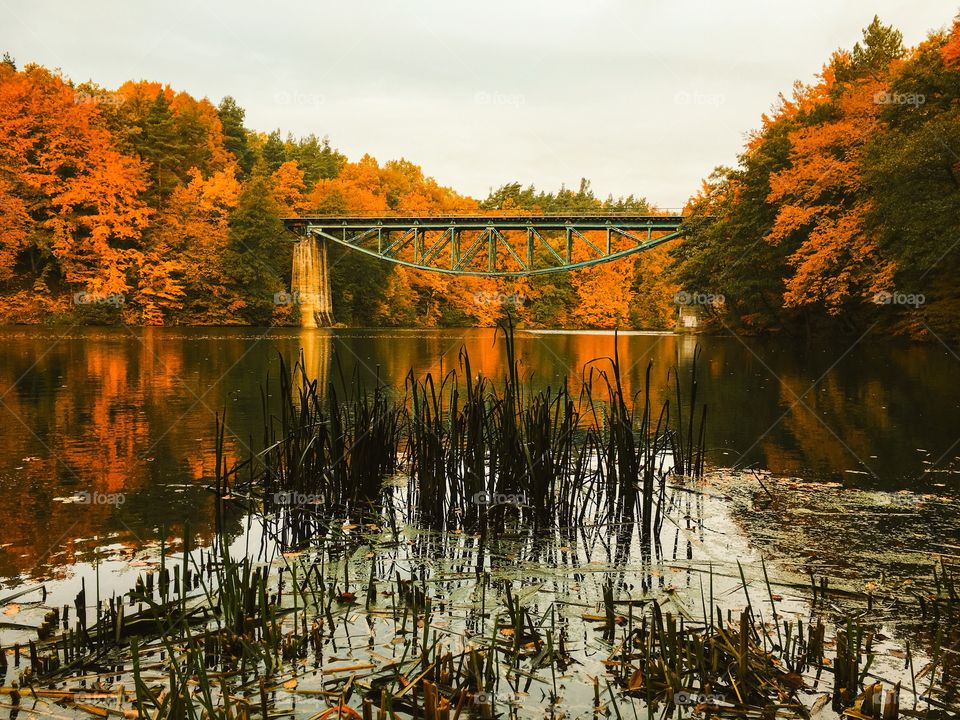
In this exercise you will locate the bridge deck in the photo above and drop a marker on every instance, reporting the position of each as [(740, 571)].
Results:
[(579, 222)]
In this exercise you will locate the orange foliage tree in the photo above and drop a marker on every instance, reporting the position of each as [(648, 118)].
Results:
[(183, 275), (821, 198), (71, 198)]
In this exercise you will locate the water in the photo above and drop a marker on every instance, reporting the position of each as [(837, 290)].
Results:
[(126, 415)]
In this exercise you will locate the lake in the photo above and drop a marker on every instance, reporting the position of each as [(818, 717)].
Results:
[(127, 415)]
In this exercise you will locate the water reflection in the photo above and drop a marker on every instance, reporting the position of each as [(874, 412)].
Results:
[(131, 412)]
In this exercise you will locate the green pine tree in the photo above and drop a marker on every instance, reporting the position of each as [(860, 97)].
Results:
[(160, 144), (273, 152), (258, 255), (235, 134)]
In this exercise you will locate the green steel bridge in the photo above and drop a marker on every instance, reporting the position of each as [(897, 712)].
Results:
[(493, 245)]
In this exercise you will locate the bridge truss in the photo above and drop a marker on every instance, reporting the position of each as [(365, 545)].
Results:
[(494, 245)]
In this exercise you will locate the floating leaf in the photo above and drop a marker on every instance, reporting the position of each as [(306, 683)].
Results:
[(340, 711)]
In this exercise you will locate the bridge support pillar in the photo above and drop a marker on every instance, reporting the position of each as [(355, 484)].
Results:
[(311, 282)]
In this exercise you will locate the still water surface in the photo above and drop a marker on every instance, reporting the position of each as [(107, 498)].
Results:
[(127, 414)]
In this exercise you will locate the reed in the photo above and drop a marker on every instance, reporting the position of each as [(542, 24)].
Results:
[(483, 452)]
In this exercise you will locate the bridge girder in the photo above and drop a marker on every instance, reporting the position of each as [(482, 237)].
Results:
[(516, 245)]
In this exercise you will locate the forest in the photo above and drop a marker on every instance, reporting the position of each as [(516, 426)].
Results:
[(145, 205), (843, 212)]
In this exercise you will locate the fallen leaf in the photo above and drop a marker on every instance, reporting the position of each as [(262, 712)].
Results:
[(340, 711), (793, 680)]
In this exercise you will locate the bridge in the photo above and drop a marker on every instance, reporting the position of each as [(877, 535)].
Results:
[(477, 245)]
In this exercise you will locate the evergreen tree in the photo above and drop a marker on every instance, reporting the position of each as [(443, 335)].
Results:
[(258, 255), (235, 134), (316, 159), (160, 144), (273, 152), (913, 171), (881, 45)]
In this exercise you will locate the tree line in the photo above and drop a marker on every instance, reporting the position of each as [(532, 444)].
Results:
[(145, 205), (843, 212)]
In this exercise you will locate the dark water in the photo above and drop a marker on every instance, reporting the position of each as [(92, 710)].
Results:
[(127, 415)]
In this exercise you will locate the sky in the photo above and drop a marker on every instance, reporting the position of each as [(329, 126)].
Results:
[(643, 97)]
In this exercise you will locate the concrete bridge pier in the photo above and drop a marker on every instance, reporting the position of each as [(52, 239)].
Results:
[(311, 282)]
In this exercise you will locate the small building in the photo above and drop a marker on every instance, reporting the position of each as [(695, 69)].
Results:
[(689, 318)]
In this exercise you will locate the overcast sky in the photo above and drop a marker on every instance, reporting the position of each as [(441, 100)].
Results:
[(641, 97)]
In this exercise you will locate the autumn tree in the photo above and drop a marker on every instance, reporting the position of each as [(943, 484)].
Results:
[(183, 278), (825, 207), (70, 201)]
